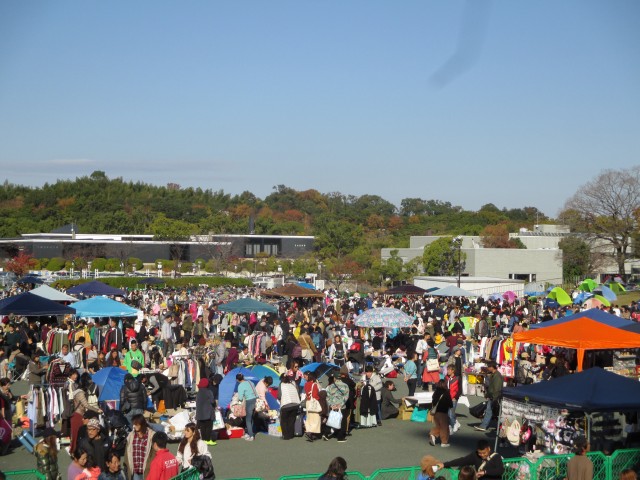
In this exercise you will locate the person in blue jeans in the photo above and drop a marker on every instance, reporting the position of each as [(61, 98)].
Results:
[(494, 393), (247, 392), (411, 373)]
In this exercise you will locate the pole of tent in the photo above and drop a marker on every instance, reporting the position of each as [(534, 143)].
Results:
[(495, 446)]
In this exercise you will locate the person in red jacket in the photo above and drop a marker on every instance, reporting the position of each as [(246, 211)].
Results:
[(454, 384), (164, 465)]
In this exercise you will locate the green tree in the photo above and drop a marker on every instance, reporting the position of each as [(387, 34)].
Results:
[(112, 265), (604, 211), (98, 264), (576, 257), (56, 264), (392, 269), (337, 238), (441, 257), (164, 228)]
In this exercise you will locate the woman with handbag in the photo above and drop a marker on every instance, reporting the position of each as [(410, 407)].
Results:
[(290, 403), (205, 410), (313, 423), (190, 446), (441, 403), (431, 372), (247, 394)]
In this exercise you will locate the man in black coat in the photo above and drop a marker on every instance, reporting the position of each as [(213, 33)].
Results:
[(488, 465), (133, 397), (95, 443)]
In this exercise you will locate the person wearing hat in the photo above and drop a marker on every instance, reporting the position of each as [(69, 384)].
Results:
[(389, 402), (95, 444), (205, 411)]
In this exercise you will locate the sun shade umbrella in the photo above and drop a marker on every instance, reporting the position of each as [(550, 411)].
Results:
[(45, 291), (405, 290), (30, 305), (509, 296), (30, 279), (247, 305), (95, 288), (292, 291), (453, 291), (384, 317)]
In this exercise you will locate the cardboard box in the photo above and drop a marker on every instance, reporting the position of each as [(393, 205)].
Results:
[(405, 412)]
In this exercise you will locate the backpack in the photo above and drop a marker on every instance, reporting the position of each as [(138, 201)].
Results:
[(355, 347)]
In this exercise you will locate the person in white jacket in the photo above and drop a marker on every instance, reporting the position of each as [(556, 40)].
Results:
[(191, 445)]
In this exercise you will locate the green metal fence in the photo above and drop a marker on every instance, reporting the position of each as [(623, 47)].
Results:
[(25, 475), (601, 466), (621, 460), (190, 474), (517, 469), (314, 476)]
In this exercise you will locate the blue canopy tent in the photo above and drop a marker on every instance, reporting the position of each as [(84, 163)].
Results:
[(261, 371), (103, 307), (95, 288), (229, 385), (29, 305), (307, 285), (109, 381), (588, 391), (593, 313), (247, 305)]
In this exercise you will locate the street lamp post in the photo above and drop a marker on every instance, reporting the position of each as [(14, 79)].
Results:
[(159, 269), (458, 244), (89, 268)]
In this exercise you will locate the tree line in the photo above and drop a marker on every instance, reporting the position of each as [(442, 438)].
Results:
[(349, 230)]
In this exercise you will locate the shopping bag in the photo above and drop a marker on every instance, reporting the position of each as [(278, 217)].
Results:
[(218, 421), (433, 365), (478, 410), (335, 419), (419, 415)]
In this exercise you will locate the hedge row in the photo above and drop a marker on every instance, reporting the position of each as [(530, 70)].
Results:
[(134, 282)]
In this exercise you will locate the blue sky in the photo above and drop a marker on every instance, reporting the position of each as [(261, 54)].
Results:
[(511, 103)]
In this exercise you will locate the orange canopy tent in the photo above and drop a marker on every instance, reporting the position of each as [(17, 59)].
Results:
[(581, 334)]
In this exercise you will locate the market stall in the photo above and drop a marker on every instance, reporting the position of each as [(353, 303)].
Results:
[(581, 333), (550, 415)]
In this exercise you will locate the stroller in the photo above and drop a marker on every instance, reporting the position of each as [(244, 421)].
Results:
[(118, 429)]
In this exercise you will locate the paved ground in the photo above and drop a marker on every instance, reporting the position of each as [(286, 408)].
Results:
[(396, 444)]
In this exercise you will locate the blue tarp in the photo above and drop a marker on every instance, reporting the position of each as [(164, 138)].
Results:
[(307, 285), (593, 313), (109, 381), (103, 307), (30, 305), (588, 391), (95, 288)]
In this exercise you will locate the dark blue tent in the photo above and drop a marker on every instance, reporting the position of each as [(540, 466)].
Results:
[(633, 327), (30, 305), (593, 390), (95, 288), (593, 313)]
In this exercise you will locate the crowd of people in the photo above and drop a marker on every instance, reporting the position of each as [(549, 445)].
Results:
[(188, 322)]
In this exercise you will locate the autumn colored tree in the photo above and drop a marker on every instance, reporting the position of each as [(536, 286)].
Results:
[(342, 270), (21, 264)]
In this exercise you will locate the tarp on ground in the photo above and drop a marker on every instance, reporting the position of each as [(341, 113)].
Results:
[(247, 305), (593, 313), (29, 305), (109, 381), (588, 391), (45, 291), (583, 333), (103, 307), (95, 288), (453, 291)]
